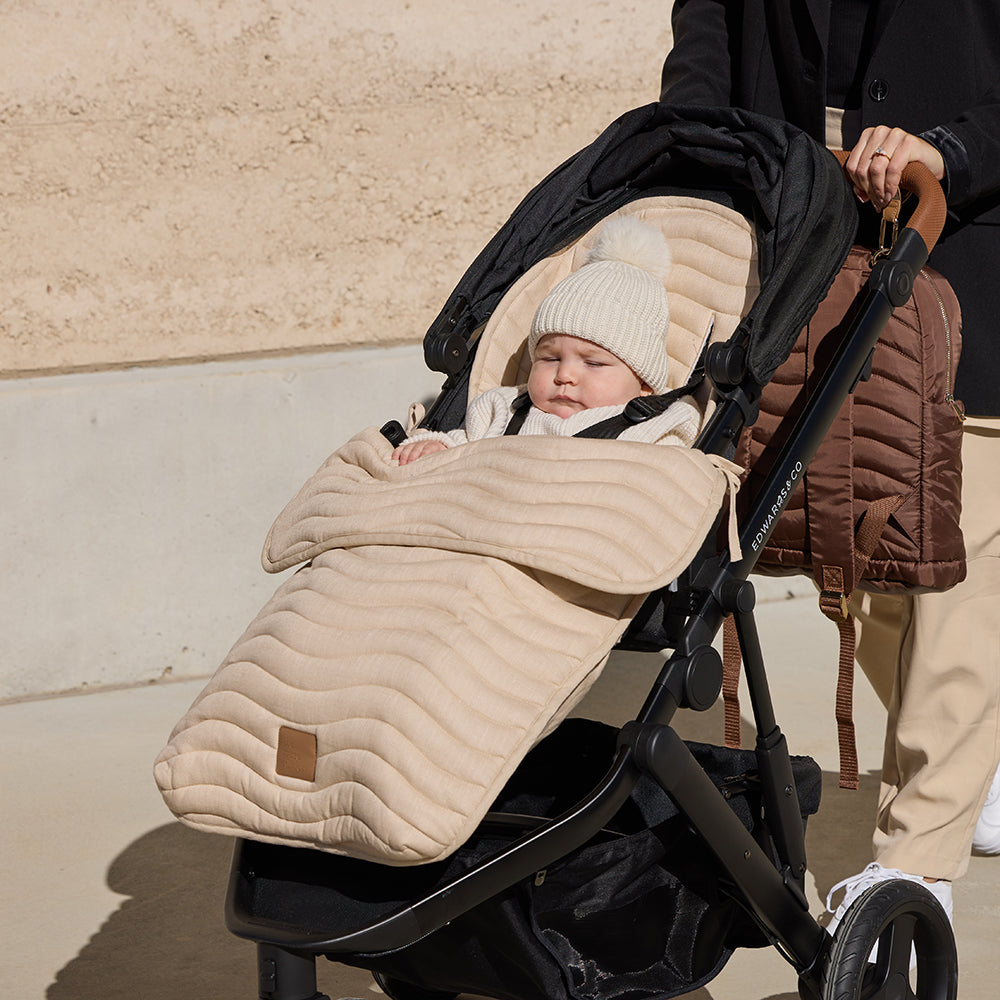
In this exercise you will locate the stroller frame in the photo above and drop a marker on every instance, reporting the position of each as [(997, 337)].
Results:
[(771, 888)]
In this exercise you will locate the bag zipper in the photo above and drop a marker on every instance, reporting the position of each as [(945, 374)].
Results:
[(949, 395)]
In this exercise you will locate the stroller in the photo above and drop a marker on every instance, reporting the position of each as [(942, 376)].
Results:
[(629, 863)]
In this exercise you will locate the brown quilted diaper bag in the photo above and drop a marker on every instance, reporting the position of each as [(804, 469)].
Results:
[(878, 507)]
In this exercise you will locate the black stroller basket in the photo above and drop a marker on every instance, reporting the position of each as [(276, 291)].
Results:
[(501, 916)]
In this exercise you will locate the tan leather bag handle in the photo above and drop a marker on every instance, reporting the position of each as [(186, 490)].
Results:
[(931, 209)]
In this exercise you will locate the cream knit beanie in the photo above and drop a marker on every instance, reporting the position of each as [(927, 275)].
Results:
[(616, 300)]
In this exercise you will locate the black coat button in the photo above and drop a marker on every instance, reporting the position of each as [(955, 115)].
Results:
[(878, 90)]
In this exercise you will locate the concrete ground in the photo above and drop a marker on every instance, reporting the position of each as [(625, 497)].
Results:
[(105, 896)]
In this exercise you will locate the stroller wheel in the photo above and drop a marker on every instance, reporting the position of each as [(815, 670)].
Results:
[(900, 918), (398, 989)]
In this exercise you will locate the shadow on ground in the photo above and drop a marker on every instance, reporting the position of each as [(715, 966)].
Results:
[(168, 940)]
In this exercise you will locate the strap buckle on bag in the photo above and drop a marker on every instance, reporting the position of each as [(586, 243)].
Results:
[(833, 604)]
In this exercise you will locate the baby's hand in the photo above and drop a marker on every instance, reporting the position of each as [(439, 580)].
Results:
[(413, 450)]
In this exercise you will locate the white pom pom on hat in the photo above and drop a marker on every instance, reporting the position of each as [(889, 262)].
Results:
[(616, 300)]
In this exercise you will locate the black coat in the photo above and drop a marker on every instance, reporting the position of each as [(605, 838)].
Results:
[(934, 69)]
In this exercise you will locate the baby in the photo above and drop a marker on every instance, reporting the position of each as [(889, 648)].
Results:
[(597, 341)]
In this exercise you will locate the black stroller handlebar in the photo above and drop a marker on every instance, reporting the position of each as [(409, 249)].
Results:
[(931, 209)]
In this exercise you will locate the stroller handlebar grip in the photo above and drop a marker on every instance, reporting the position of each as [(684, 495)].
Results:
[(931, 209)]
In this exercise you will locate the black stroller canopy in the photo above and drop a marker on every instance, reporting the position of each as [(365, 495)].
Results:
[(793, 190)]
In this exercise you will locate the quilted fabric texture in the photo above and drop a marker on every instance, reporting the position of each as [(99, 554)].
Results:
[(590, 511), (451, 613), (899, 433)]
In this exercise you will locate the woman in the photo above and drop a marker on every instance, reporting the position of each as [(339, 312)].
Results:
[(898, 81)]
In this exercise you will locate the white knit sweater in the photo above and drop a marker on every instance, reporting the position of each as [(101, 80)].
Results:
[(489, 414)]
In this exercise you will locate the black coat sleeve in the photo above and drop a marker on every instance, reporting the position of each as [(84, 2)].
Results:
[(970, 145), (977, 128), (703, 62)]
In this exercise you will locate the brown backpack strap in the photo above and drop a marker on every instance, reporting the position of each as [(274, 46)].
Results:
[(870, 530), (834, 594), (732, 662), (833, 604), (846, 740), (833, 600)]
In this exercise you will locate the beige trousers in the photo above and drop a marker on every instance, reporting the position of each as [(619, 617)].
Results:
[(934, 661)]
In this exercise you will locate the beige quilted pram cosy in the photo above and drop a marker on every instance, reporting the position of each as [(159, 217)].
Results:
[(451, 612)]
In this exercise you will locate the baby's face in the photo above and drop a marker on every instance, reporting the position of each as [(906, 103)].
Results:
[(570, 374)]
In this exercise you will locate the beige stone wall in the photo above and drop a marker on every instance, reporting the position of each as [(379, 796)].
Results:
[(184, 179)]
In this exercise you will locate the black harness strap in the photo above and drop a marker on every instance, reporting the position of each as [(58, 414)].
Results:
[(520, 406), (638, 410)]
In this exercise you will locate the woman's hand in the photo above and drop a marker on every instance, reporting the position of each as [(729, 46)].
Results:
[(413, 450), (876, 163)]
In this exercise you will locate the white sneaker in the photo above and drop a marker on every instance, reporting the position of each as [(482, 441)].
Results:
[(856, 885), (986, 839)]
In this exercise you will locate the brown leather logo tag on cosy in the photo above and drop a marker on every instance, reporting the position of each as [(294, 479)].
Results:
[(296, 754)]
